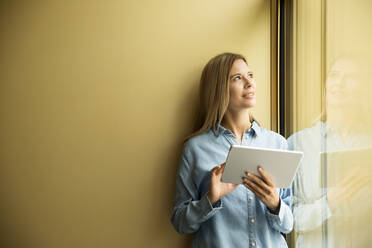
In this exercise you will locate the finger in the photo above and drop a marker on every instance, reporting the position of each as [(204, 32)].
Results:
[(214, 170), (349, 194), (354, 182), (353, 175), (354, 189), (256, 187), (255, 179), (254, 191), (214, 173), (219, 171), (345, 193), (266, 177), (258, 181), (223, 167)]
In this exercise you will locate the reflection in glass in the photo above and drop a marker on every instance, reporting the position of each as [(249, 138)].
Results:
[(333, 187)]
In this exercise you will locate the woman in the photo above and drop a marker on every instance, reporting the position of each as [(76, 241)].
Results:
[(251, 214)]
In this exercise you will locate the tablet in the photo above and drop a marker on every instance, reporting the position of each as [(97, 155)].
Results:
[(281, 165), (338, 165)]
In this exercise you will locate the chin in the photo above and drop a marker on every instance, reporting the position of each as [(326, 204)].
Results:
[(250, 104)]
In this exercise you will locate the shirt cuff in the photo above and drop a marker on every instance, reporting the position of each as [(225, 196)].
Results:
[(276, 217), (207, 207)]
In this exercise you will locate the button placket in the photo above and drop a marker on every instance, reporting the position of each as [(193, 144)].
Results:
[(251, 219)]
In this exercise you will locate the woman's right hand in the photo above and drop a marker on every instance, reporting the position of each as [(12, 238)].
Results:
[(348, 187), (218, 189)]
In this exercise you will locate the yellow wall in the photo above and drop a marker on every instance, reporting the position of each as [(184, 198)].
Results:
[(88, 86)]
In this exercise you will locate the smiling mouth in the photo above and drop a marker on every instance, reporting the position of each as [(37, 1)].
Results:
[(249, 95)]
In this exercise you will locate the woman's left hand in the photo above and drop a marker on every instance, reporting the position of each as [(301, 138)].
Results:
[(263, 188)]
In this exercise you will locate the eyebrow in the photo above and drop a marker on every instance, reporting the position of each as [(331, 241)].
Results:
[(249, 72)]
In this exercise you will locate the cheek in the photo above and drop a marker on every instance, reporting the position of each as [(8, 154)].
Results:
[(235, 98), (234, 93), (236, 89)]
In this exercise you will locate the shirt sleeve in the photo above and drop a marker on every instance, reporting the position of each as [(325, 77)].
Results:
[(283, 221), (309, 213), (189, 212)]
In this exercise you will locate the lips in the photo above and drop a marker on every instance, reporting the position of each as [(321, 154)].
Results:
[(249, 95)]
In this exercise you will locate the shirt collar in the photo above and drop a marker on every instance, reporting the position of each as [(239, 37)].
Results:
[(220, 129)]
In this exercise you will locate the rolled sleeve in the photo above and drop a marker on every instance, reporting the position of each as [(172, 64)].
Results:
[(189, 212), (283, 221), (311, 215), (208, 208)]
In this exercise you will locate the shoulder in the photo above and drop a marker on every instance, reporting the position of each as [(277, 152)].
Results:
[(199, 140), (277, 139), (196, 143), (306, 135), (272, 134)]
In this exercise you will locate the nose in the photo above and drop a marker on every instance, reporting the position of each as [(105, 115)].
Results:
[(248, 81)]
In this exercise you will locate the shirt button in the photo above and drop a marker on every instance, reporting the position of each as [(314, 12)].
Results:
[(251, 198), (253, 244), (252, 220)]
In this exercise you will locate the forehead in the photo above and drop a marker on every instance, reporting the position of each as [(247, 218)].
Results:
[(239, 66)]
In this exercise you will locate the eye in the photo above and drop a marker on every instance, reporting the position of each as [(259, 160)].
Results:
[(250, 75), (237, 78)]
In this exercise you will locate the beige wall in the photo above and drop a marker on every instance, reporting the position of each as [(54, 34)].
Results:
[(86, 87)]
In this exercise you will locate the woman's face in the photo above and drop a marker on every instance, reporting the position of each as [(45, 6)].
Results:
[(242, 86), (342, 85)]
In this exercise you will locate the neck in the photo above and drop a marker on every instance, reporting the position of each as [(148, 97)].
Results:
[(343, 126), (338, 121), (237, 122)]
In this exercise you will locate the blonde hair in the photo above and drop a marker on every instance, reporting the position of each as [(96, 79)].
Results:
[(214, 92)]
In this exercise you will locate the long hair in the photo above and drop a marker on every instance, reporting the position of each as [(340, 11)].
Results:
[(214, 92)]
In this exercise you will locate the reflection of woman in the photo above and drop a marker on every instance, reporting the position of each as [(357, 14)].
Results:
[(220, 214), (324, 217)]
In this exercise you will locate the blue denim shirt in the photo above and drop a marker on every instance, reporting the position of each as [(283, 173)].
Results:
[(238, 219)]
